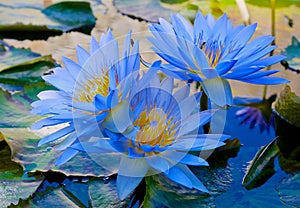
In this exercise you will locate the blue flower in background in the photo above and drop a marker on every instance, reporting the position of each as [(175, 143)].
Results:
[(85, 92), (213, 51), (152, 130)]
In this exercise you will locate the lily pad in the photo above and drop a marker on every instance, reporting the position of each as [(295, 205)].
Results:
[(292, 61), (20, 67), (287, 106), (94, 192), (262, 166), (162, 192), (151, 10), (24, 145), (13, 184), (33, 22), (103, 193)]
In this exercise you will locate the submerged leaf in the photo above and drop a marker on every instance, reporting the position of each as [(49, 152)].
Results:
[(289, 190), (262, 166)]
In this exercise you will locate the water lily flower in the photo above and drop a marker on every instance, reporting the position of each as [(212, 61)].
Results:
[(212, 52), (153, 130), (79, 86)]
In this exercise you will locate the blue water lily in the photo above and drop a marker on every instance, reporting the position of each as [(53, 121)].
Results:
[(153, 130), (85, 92), (213, 51)]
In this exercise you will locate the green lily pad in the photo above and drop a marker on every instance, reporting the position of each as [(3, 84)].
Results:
[(20, 67), (15, 110), (32, 21), (162, 192), (262, 166), (287, 106), (13, 184), (151, 10), (96, 192), (103, 193), (24, 145)]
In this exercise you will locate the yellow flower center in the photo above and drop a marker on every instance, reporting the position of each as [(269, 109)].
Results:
[(155, 128), (87, 91)]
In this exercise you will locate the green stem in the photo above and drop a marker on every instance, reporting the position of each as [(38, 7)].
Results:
[(273, 32), (204, 106)]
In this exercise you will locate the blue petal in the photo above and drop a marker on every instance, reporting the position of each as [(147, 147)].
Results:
[(67, 155), (132, 167), (195, 121), (184, 158), (195, 181), (100, 102), (94, 45), (199, 142), (71, 66), (177, 175), (56, 135), (67, 142), (61, 79), (244, 36), (82, 55), (158, 163), (219, 91), (201, 29), (46, 122), (112, 98), (119, 118)]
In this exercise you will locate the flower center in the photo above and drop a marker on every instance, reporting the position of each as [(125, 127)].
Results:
[(155, 128), (212, 51), (92, 87)]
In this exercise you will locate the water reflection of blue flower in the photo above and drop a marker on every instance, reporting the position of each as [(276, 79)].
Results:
[(256, 112), (213, 51)]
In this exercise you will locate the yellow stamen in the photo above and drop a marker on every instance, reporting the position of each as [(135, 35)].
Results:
[(92, 87), (156, 128)]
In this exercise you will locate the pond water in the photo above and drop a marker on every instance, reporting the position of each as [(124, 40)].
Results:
[(278, 190)]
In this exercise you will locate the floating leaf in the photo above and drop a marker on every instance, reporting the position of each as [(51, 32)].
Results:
[(13, 184), (292, 60), (148, 10), (23, 143), (287, 106), (15, 108), (20, 67), (103, 193), (74, 15), (289, 191), (262, 166), (151, 10), (33, 22), (162, 192)]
